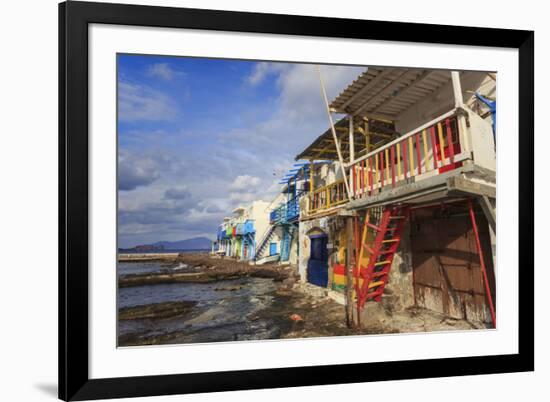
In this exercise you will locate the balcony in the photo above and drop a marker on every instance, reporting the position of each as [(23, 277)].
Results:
[(419, 162), (285, 213), (327, 197), (249, 227), (239, 229)]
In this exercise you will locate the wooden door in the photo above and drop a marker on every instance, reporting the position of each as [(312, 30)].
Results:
[(446, 269)]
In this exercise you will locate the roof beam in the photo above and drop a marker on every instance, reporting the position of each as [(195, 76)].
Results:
[(387, 87), (363, 90), (417, 80)]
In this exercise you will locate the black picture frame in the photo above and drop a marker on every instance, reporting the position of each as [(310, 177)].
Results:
[(74, 381)]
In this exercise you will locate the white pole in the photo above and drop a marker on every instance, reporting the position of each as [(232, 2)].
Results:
[(457, 88), (464, 132), (351, 140), (340, 159)]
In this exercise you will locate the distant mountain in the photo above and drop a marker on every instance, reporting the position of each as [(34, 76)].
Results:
[(196, 243)]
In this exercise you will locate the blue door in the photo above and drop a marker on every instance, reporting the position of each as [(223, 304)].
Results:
[(317, 266), (272, 248)]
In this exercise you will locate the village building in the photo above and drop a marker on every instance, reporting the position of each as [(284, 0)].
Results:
[(400, 209), (238, 235)]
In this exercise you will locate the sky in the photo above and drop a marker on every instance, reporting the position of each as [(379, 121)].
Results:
[(198, 137)]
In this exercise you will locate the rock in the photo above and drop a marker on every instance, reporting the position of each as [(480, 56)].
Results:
[(156, 310), (296, 317)]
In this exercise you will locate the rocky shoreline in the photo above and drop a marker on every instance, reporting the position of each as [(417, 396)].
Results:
[(202, 268), (234, 301)]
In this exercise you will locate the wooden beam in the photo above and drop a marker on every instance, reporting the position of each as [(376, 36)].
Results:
[(351, 141), (462, 186), (388, 87), (366, 88), (489, 211), (417, 80), (349, 272), (340, 158)]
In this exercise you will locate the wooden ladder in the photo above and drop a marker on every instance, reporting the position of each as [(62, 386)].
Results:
[(381, 236)]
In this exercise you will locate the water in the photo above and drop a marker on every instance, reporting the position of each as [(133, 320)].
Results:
[(225, 310), (166, 251)]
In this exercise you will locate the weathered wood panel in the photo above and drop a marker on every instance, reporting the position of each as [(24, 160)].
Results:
[(447, 273)]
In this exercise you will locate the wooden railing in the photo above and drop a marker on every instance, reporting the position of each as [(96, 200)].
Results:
[(286, 212), (327, 197), (429, 150)]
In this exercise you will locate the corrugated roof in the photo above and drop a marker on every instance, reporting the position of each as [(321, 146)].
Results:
[(388, 91), (323, 147)]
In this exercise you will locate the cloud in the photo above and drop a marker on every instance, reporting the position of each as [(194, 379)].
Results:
[(262, 69), (134, 171), (183, 186), (177, 193), (163, 71), (244, 183), (138, 102)]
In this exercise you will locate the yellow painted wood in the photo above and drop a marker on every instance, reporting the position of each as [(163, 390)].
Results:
[(387, 166), (398, 148), (381, 263), (389, 241), (375, 284), (341, 280), (425, 141), (441, 143), (411, 157), (311, 176)]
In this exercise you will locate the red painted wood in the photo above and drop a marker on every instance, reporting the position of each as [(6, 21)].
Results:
[(450, 146), (370, 175), (405, 156), (417, 140), (363, 178), (354, 180), (392, 163), (435, 153), (482, 263)]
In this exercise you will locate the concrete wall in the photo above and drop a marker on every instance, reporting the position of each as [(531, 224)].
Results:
[(482, 140), (331, 226), (399, 292), (259, 212)]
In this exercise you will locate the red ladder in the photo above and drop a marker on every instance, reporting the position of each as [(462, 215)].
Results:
[(387, 227)]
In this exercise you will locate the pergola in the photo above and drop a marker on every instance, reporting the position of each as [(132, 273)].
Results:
[(381, 100)]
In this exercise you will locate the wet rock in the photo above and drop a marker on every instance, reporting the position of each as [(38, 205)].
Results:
[(229, 288), (156, 311)]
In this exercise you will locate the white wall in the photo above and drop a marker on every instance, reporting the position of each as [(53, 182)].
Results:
[(28, 164), (259, 212)]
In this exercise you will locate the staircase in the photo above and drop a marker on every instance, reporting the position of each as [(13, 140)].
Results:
[(288, 234), (264, 242), (380, 240)]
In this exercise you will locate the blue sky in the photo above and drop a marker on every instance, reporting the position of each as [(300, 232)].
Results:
[(198, 137)]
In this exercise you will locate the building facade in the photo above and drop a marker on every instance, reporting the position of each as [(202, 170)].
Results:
[(238, 235), (407, 214)]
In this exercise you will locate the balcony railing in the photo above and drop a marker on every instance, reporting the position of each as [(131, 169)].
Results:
[(286, 212), (431, 149), (424, 152), (327, 197)]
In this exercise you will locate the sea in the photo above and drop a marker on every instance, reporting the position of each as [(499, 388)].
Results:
[(225, 310)]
